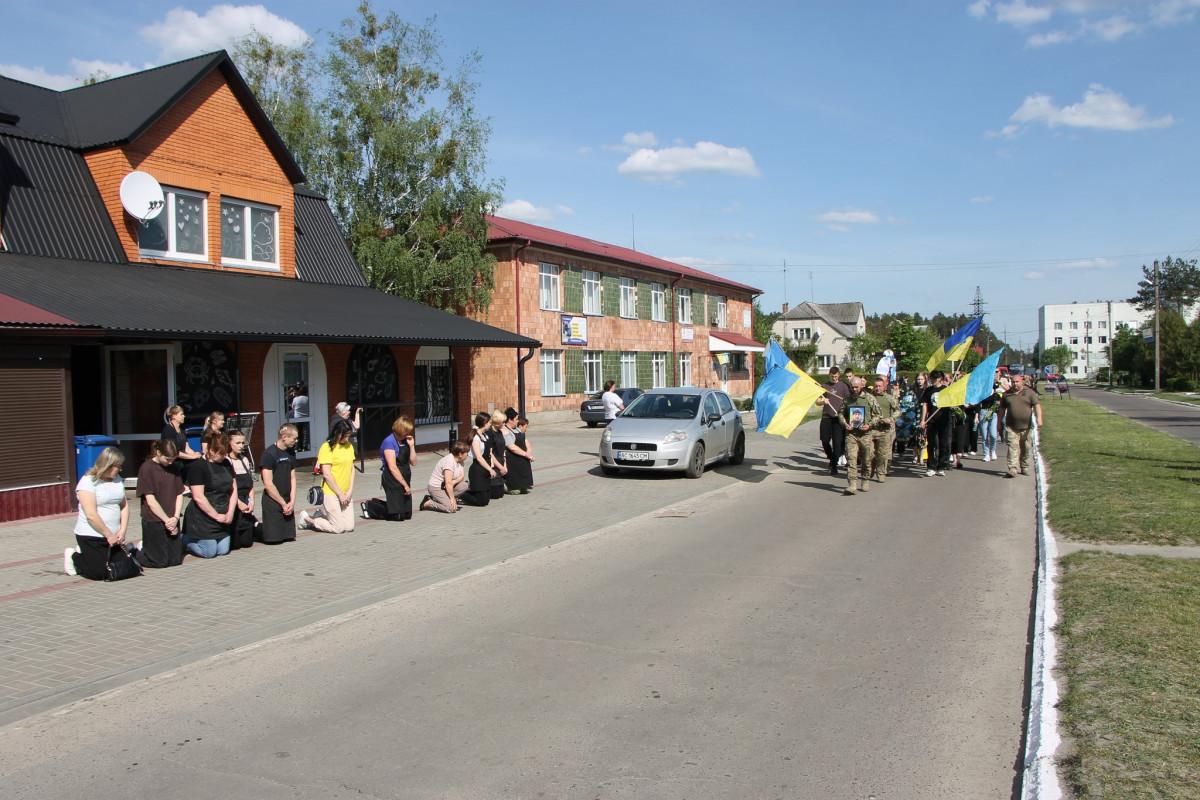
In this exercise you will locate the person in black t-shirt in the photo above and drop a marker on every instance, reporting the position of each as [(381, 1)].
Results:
[(937, 424), (278, 465)]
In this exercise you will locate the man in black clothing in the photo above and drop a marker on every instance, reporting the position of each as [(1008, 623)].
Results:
[(833, 432), (937, 423)]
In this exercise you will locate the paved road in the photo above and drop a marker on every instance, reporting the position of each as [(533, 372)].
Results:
[(1178, 419), (767, 638)]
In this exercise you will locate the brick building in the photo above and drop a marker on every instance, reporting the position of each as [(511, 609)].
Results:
[(234, 293), (606, 312)]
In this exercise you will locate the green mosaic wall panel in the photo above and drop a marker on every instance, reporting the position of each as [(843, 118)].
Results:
[(573, 371), (643, 299), (645, 371), (610, 296), (572, 290)]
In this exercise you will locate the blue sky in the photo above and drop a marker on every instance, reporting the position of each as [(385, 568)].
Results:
[(896, 153)]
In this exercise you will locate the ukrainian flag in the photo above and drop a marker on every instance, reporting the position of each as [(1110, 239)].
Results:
[(972, 388), (954, 348), (785, 394)]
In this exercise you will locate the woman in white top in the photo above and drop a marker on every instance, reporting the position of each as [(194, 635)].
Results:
[(103, 517)]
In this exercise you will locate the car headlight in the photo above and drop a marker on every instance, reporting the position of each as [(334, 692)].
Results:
[(607, 436), (677, 435)]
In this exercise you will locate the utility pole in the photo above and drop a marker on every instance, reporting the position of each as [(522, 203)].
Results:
[(1110, 345), (1157, 349), (785, 297), (978, 303)]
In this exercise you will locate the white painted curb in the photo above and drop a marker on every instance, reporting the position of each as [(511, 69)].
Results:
[(1040, 779)]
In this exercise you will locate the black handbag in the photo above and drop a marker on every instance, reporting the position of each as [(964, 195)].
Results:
[(316, 495), (120, 565)]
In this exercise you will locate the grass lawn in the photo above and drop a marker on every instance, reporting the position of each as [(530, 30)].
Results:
[(1131, 632), (1112, 480)]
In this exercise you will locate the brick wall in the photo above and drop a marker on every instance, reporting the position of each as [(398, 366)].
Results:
[(493, 370), (205, 143)]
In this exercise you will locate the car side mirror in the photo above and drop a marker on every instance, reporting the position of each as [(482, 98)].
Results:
[(714, 417)]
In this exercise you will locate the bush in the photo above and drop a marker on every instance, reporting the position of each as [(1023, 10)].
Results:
[(1181, 385), (745, 404)]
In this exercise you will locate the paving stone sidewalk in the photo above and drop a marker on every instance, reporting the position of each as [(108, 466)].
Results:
[(66, 638)]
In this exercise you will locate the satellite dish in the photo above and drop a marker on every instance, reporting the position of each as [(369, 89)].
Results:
[(141, 196)]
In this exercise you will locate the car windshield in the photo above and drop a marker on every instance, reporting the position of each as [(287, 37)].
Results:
[(663, 406)]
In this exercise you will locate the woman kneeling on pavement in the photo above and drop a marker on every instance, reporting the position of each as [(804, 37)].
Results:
[(448, 481), (208, 521), (161, 489), (336, 460), (102, 520), (399, 456)]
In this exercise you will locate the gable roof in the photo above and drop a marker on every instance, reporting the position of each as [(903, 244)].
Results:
[(842, 317), (504, 231), (119, 110), (322, 255)]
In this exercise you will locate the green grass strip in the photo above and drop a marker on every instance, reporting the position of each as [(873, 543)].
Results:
[(1130, 628), (1116, 481)]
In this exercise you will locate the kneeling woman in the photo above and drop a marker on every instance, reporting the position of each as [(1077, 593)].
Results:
[(208, 522), (399, 453), (244, 523), (161, 489), (336, 460), (448, 481), (103, 518)]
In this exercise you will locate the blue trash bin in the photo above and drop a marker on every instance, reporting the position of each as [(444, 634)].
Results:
[(88, 449), (193, 436)]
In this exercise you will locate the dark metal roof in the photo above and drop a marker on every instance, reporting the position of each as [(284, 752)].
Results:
[(322, 255), (119, 110), (49, 204), (157, 302)]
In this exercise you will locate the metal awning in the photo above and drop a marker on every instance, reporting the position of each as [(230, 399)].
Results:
[(723, 342)]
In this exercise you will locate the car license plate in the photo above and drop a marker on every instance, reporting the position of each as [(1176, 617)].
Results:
[(629, 456)]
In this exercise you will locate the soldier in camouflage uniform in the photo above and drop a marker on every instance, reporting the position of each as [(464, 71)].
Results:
[(860, 414), (884, 434)]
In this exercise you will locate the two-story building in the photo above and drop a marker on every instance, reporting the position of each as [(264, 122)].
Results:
[(230, 287), (830, 326), (605, 312)]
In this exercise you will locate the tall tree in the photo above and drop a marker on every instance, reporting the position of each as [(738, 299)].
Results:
[(1060, 355), (1179, 286)]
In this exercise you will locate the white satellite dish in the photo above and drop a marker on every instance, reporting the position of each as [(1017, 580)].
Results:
[(141, 196)]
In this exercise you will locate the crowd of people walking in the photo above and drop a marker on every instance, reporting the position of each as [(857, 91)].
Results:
[(865, 426), (222, 515)]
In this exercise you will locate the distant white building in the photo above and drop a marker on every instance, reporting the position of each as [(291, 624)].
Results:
[(830, 326), (1087, 328)]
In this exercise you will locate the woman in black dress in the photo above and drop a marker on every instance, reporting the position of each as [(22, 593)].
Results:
[(499, 454), (483, 466), (398, 455), (244, 521), (161, 490), (520, 461), (208, 521), (173, 432)]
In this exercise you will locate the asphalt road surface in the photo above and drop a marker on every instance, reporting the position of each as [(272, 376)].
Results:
[(1177, 419), (769, 638)]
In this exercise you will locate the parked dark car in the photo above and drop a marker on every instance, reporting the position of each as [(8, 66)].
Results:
[(591, 410)]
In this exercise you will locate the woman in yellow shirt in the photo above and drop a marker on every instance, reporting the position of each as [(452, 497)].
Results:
[(336, 460)]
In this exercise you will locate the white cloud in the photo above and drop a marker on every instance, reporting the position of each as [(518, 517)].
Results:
[(1046, 39), (79, 71), (979, 9), (1007, 132), (734, 237), (707, 264), (183, 34), (985, 198), (1173, 12), (632, 141), (525, 211), (670, 163), (585, 151), (1101, 109), (1085, 264), (1034, 276), (1020, 15), (1112, 29), (732, 208), (847, 216)]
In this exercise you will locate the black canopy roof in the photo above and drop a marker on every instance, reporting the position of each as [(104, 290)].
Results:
[(143, 301)]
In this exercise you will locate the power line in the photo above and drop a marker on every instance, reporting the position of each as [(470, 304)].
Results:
[(918, 266)]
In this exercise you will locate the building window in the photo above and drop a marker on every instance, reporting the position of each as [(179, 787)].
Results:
[(629, 369), (1087, 340), (658, 370), (591, 292), (1074, 326), (433, 392), (1058, 339), (629, 298), (1058, 326), (685, 305), (658, 302), (824, 362), (722, 312), (1103, 324), (249, 235), (1074, 370), (549, 296), (179, 231), (552, 372), (1103, 340), (685, 369), (1087, 325), (591, 371), (1074, 340), (737, 362), (801, 334)]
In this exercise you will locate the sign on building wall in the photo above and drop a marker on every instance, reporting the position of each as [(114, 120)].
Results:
[(746, 318), (574, 329), (689, 334)]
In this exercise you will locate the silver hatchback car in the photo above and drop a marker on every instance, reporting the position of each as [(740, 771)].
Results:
[(674, 429)]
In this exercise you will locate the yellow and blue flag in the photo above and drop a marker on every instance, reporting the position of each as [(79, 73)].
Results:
[(785, 394), (972, 388), (955, 347)]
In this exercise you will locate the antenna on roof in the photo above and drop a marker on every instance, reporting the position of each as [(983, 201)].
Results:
[(141, 196)]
